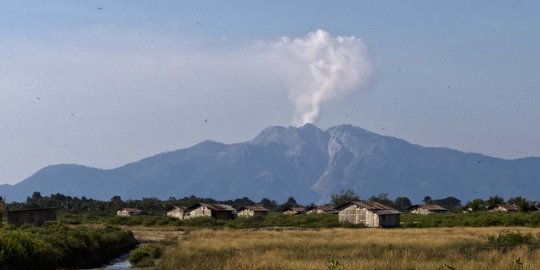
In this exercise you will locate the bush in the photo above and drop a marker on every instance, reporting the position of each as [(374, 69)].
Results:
[(144, 255), (57, 246), (512, 239)]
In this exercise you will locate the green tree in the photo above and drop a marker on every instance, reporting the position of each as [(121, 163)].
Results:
[(450, 203), (427, 200), (382, 199), (494, 201), (2, 208), (523, 204), (476, 205), (344, 196), (269, 204), (291, 202), (402, 203)]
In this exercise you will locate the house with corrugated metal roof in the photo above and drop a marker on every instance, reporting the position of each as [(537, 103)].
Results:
[(427, 209), (252, 211), (129, 212), (178, 212), (214, 210), (368, 213), (321, 209)]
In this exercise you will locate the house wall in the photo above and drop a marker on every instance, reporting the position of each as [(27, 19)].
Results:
[(251, 213), (176, 213), (372, 219), (122, 213), (246, 213), (389, 221), (421, 211), (357, 215), (348, 215), (201, 211), (222, 214), (35, 217)]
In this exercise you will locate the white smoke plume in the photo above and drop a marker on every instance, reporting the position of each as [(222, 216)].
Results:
[(329, 67)]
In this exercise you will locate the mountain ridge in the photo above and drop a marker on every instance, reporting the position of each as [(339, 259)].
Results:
[(305, 162)]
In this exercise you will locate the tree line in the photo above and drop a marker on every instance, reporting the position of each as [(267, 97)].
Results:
[(154, 206)]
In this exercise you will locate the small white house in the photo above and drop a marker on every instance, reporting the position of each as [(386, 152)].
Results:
[(129, 212), (252, 211), (178, 212), (214, 210), (427, 209), (321, 209), (370, 214)]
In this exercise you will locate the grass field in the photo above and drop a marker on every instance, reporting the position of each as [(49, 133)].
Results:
[(433, 248)]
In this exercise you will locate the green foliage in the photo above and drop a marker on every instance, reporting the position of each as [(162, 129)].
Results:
[(382, 199), (512, 239), (144, 255), (57, 246), (343, 197), (519, 264), (281, 220), (332, 263), (402, 204), (2, 209), (143, 221), (476, 219), (451, 203)]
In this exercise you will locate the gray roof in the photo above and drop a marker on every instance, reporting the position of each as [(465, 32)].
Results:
[(379, 209), (214, 207), (255, 208)]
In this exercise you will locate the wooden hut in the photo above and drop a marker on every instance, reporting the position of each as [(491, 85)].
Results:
[(178, 212), (129, 212), (427, 209), (294, 211), (371, 214), (35, 216), (252, 211), (321, 209), (214, 210)]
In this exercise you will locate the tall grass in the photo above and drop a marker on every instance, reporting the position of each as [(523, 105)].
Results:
[(434, 248)]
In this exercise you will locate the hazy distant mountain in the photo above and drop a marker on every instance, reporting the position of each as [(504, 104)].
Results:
[(307, 163)]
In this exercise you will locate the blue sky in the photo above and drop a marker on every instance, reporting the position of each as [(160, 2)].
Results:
[(103, 83)]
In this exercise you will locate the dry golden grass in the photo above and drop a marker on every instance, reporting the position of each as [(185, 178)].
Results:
[(435, 248)]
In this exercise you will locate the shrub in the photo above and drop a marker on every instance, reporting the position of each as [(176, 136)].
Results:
[(57, 246), (144, 255), (511, 239)]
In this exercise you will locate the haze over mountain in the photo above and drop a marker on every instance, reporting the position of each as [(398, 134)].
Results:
[(306, 163)]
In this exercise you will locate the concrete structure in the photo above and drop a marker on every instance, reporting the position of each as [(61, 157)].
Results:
[(321, 209), (252, 211), (129, 212), (214, 210), (178, 212), (294, 211), (427, 209), (36, 216), (370, 214)]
